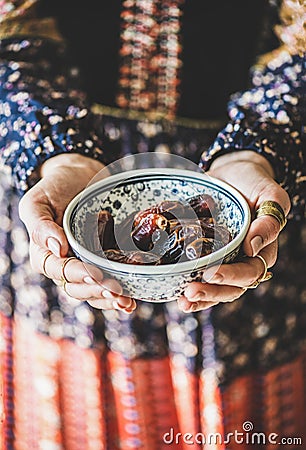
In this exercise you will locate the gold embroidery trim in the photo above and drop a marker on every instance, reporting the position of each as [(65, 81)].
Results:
[(157, 117), (26, 9), (44, 28)]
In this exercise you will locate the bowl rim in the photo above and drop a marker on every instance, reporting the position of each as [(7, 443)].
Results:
[(163, 269)]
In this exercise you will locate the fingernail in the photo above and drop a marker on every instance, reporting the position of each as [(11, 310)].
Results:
[(256, 244), (217, 278), (54, 246), (89, 280), (127, 311), (198, 296), (117, 305), (108, 294), (183, 304)]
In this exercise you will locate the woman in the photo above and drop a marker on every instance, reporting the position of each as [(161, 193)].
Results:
[(111, 380)]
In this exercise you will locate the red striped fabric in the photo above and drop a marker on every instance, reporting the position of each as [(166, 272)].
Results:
[(56, 395)]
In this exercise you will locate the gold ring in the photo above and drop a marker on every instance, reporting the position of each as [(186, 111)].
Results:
[(46, 256), (64, 263), (265, 276), (271, 208), (64, 287)]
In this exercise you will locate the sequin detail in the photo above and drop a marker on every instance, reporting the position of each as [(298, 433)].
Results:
[(150, 56), (269, 119), (292, 30), (42, 110)]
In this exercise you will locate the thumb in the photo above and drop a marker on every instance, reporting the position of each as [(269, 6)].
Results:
[(48, 234), (265, 229), (39, 220)]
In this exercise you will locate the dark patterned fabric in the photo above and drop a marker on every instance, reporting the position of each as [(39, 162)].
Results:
[(73, 377), (270, 119)]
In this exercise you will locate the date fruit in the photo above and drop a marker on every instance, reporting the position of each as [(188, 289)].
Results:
[(145, 228), (203, 205), (106, 229), (131, 257), (165, 233)]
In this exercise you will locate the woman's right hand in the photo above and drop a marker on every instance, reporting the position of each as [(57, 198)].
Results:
[(41, 209)]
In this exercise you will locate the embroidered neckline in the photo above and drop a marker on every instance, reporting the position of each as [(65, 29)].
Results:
[(150, 56)]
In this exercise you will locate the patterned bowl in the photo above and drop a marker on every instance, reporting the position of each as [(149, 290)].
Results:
[(135, 190)]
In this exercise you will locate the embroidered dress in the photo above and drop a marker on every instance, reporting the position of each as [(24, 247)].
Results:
[(73, 377)]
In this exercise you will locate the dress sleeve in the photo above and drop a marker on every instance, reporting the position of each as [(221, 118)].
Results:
[(269, 118), (42, 110)]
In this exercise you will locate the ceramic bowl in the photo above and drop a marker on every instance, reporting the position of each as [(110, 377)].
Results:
[(135, 190)]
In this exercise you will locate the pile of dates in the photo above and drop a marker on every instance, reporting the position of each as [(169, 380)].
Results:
[(165, 233)]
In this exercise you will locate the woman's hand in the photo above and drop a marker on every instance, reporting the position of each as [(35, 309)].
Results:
[(42, 208), (252, 175)]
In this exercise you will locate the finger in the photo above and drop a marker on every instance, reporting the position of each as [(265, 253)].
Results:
[(242, 274), (102, 303), (213, 293), (82, 292), (262, 232), (113, 290), (265, 229), (111, 304), (186, 306), (85, 292), (117, 304), (41, 226), (75, 271)]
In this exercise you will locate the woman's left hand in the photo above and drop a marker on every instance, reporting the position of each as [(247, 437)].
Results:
[(252, 175)]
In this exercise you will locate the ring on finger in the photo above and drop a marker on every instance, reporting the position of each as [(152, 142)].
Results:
[(46, 256), (272, 208), (265, 276), (64, 286), (64, 263)]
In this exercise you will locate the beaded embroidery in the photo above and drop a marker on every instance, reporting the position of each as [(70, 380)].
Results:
[(150, 53)]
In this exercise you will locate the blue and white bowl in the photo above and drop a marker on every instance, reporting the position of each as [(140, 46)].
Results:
[(136, 190)]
